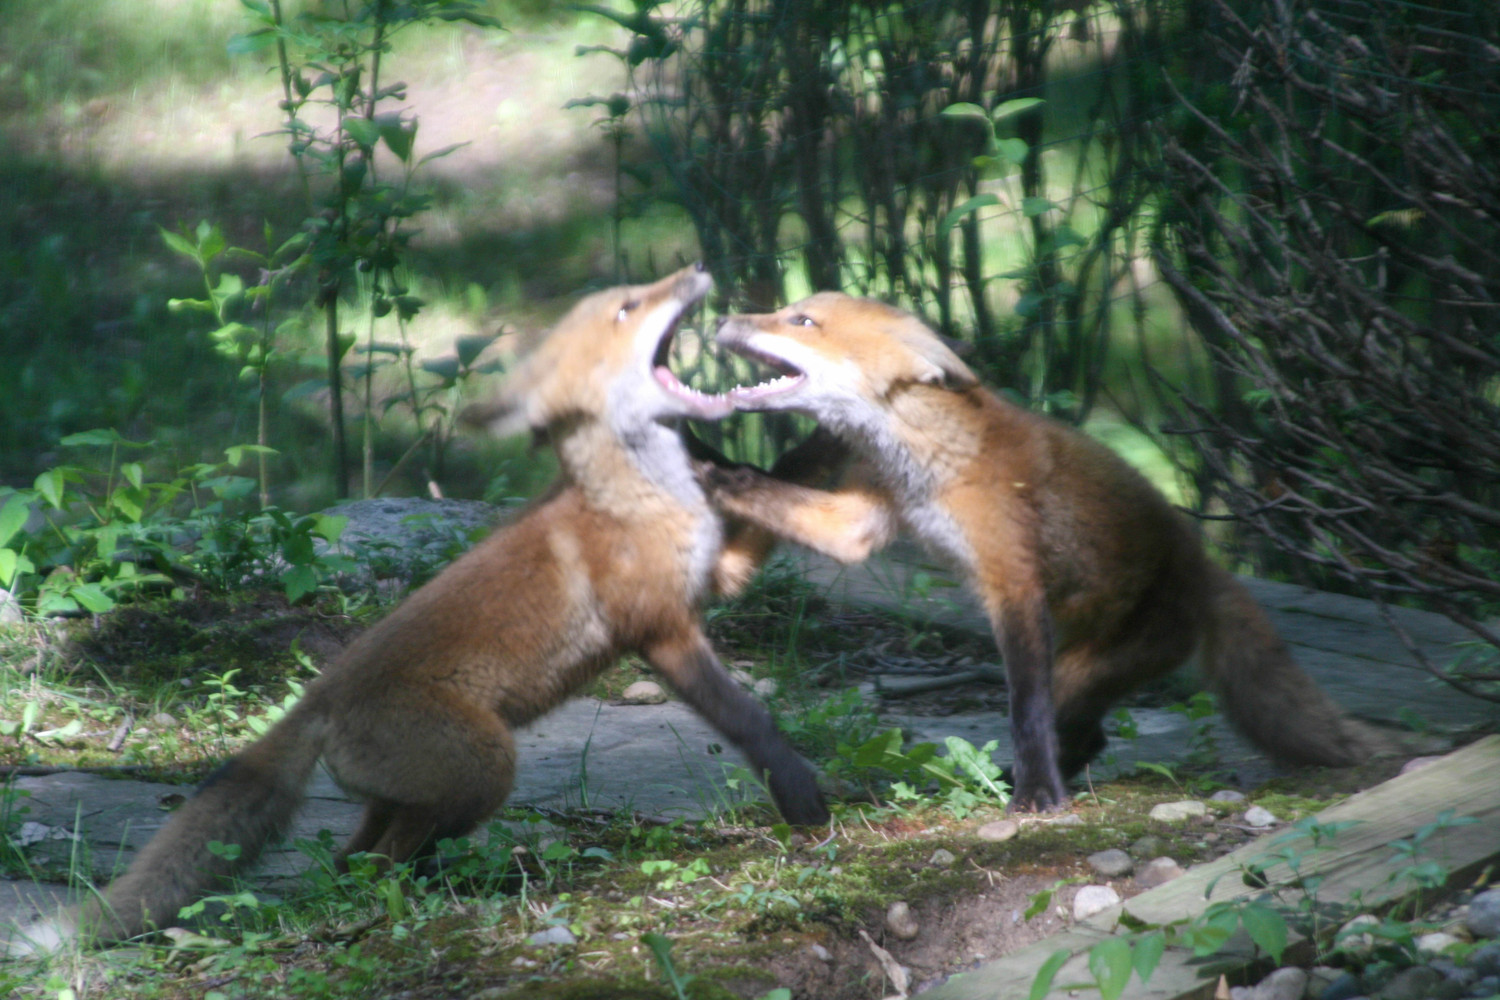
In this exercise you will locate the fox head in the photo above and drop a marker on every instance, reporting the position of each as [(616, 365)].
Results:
[(837, 354), (606, 359)]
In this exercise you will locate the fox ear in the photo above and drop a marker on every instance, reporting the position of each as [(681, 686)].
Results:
[(503, 417), (939, 364)]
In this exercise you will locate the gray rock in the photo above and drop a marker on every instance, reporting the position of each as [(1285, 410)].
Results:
[(1156, 872), (1092, 899), (1417, 763), (942, 858), (1149, 846), (163, 721), (998, 831), (1071, 819), (1489, 986), (1461, 974), (1260, 817), (1344, 987), (821, 953), (1319, 978), (1284, 984), (900, 921), (1352, 941), (1112, 863), (1227, 795), (1436, 943), (1178, 812), (643, 693), (406, 537), (1415, 983), (1485, 960), (554, 935), (1483, 920), (766, 687)]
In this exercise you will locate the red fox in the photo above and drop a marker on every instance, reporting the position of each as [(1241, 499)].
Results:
[(1092, 582), (416, 716)]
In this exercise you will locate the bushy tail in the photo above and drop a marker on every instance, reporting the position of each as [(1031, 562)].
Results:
[(248, 802), (1268, 697)]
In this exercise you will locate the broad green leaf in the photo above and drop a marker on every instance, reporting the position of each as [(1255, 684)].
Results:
[(962, 209), (178, 242), (1008, 109), (444, 368), (1013, 149), (965, 110), (98, 436), (50, 485), (1147, 953), (1032, 207), (362, 130), (132, 473), (235, 453), (298, 582), (10, 561), (92, 597), (1042, 984), (397, 134), (1266, 928), (13, 518), (469, 348), (1109, 961), (253, 41), (329, 527), (184, 305)]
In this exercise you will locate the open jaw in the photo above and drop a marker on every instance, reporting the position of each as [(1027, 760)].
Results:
[(698, 405), (762, 395)]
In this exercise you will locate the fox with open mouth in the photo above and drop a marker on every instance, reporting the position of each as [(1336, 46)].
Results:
[(1092, 582), (416, 716)]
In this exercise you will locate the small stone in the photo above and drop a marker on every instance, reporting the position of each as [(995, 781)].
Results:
[(766, 687), (1092, 899), (1435, 943), (163, 720), (1071, 819), (556, 934), (1149, 846), (1112, 863), (821, 953), (1451, 970), (1156, 872), (1287, 983), (10, 609), (942, 858), (1260, 817), (1344, 987), (1241, 992), (643, 693), (1319, 978), (1177, 812), (998, 831), (1227, 795), (1483, 920), (1352, 941), (1417, 763), (1489, 986), (1485, 960), (1414, 983), (900, 921)]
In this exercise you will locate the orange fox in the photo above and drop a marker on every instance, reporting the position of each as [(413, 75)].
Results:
[(416, 716), (1092, 583)]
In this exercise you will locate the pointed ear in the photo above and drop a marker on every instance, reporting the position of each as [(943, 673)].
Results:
[(503, 417), (940, 366)]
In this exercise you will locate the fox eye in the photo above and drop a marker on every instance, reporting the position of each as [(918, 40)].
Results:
[(625, 309), (802, 320)]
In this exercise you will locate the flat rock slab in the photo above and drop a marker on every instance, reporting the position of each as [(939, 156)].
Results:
[(660, 760)]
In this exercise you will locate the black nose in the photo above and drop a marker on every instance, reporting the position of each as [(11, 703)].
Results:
[(699, 266)]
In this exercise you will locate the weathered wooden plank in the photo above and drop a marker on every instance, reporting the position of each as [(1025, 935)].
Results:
[(1358, 861)]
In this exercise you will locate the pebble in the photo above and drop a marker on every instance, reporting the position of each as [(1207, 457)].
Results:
[(1487, 987), (163, 720), (1319, 978), (1149, 846), (1227, 795), (998, 831), (1483, 920), (766, 687), (1260, 817), (1156, 872), (1283, 984), (821, 953), (1177, 812), (1485, 960), (1092, 899), (643, 693), (1460, 974), (1344, 987), (556, 934), (1435, 943), (900, 921), (1071, 819), (1112, 863), (1351, 942), (942, 858), (1414, 983)]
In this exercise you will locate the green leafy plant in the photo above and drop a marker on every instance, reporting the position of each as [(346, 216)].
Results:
[(966, 776)]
